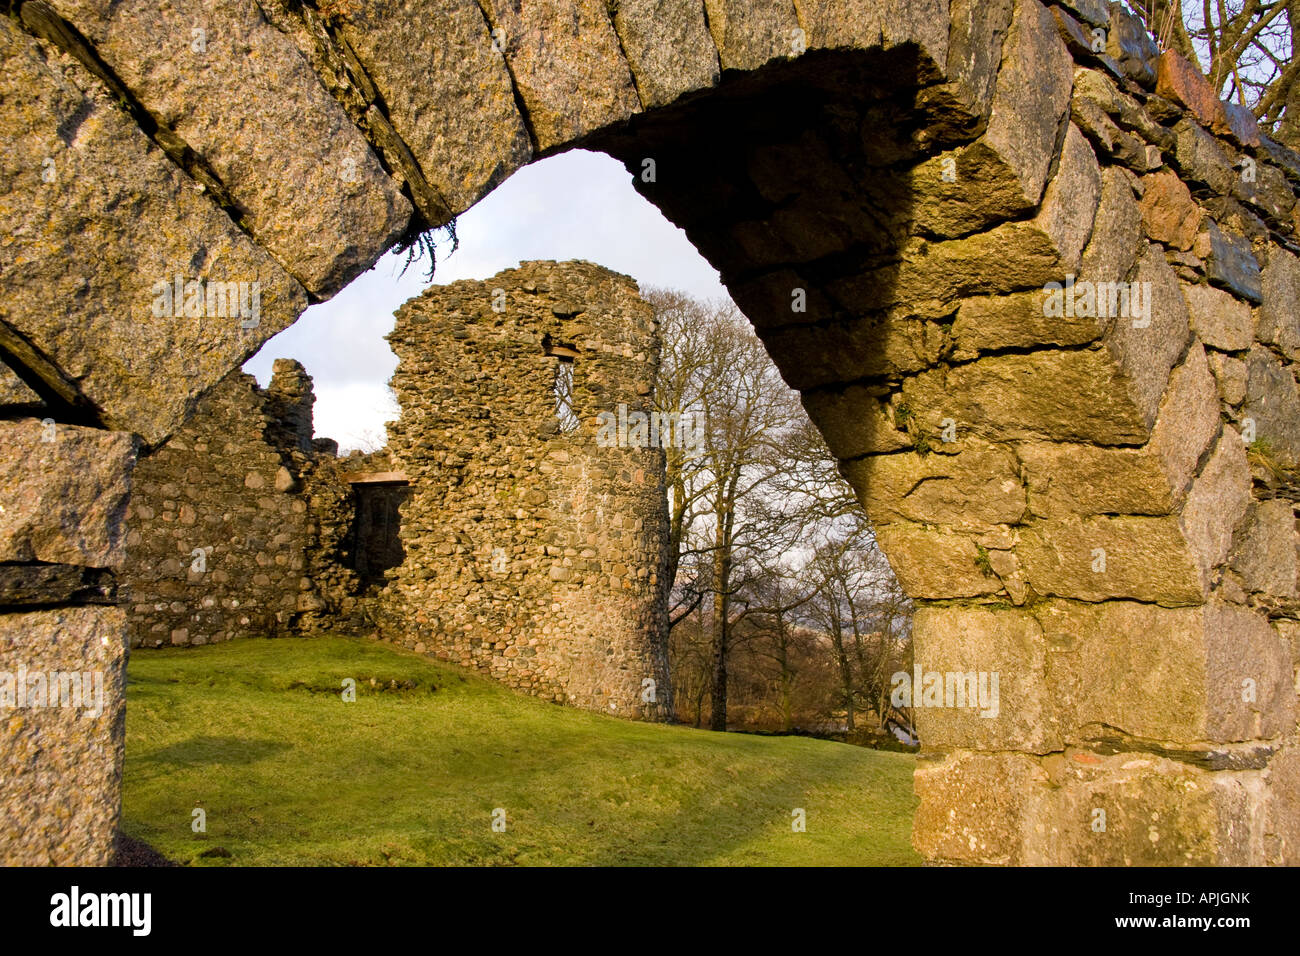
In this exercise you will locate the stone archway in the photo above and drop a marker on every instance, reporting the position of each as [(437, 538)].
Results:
[(890, 191)]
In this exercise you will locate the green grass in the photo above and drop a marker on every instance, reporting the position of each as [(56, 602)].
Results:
[(256, 734)]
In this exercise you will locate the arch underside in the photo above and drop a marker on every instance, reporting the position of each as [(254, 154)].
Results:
[(1065, 491)]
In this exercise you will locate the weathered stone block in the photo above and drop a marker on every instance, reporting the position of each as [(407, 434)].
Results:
[(862, 24), (327, 209), (1100, 557), (1202, 160), (1169, 214), (1273, 405), (964, 190), (1147, 346), (1133, 667), (1288, 160), (60, 794), (1239, 125), (1078, 40), (1071, 200), (1230, 376), (797, 176), (931, 276), (121, 210), (1093, 11), (1031, 396), (36, 585), (1279, 319), (975, 488), (1217, 502), (854, 422), (1165, 674), (1269, 192), (13, 390), (1188, 421), (1229, 262), (1116, 232), (750, 33), (65, 493), (935, 563), (1222, 321), (1248, 679), (668, 48), (447, 92), (1180, 82), (1266, 550), (1067, 478), (1157, 812), (566, 63), (1282, 810), (1018, 320), (845, 351), (1129, 44), (977, 809), (1006, 565), (1006, 706), (978, 32), (769, 300), (1031, 97)]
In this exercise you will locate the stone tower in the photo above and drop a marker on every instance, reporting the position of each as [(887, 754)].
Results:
[(533, 551)]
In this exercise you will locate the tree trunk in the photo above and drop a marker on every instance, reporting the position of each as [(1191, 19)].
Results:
[(718, 715), (1288, 131), (846, 669), (721, 609), (723, 543), (787, 677)]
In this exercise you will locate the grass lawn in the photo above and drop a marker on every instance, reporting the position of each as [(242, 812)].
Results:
[(256, 734)]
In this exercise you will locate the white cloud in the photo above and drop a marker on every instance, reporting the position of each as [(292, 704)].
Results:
[(578, 205), (355, 413)]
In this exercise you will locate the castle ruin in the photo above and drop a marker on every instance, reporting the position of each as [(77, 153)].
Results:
[(494, 531)]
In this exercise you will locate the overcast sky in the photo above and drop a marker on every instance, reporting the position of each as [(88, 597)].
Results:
[(578, 205)]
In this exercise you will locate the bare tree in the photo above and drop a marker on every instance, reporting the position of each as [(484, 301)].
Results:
[(777, 593), (679, 388), (772, 565), (866, 618), (1248, 49), (714, 368)]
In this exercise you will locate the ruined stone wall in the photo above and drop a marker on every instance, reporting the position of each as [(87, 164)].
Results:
[(532, 553), (219, 522), (271, 507)]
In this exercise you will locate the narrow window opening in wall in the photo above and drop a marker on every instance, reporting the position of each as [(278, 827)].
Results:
[(563, 383), (564, 395)]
